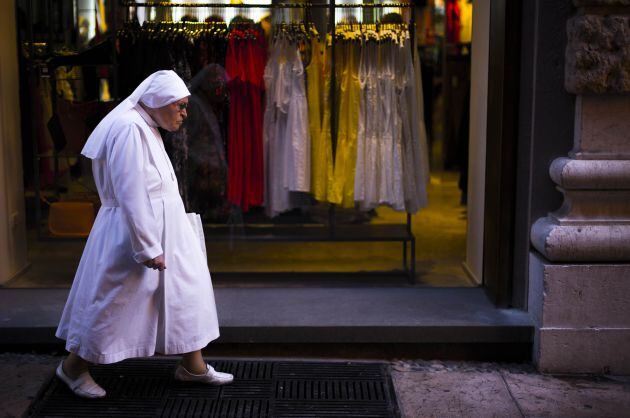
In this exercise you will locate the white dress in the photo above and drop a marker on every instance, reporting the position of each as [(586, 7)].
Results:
[(286, 136), (416, 160), (118, 308), (277, 82), (297, 135), (364, 178)]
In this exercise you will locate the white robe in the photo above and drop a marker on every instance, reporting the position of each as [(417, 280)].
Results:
[(118, 308)]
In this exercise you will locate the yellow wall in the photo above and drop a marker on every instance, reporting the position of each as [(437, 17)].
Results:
[(12, 216)]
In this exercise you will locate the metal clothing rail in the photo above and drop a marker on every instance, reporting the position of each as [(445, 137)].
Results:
[(269, 6)]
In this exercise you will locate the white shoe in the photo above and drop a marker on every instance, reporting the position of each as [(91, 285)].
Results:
[(211, 376), (83, 386)]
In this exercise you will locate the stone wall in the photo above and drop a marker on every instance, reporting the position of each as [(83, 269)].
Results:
[(598, 54), (580, 277)]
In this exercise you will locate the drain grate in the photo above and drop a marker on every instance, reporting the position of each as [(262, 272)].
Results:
[(146, 388)]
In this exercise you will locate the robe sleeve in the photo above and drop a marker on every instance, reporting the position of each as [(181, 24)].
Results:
[(126, 166)]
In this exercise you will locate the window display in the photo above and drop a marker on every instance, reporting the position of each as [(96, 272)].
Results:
[(275, 153), (306, 122)]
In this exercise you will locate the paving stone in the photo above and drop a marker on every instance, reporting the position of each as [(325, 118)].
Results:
[(424, 389), (548, 396), (453, 394), (22, 376)]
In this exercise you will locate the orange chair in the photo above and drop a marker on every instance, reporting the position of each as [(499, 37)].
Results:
[(70, 219)]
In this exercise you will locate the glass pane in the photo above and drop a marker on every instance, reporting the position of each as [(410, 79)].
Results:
[(248, 69)]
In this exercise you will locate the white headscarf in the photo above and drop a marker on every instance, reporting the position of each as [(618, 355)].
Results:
[(159, 89)]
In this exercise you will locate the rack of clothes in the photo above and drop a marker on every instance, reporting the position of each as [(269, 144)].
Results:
[(288, 116), (335, 118)]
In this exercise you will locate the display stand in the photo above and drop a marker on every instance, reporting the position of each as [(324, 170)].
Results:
[(332, 232)]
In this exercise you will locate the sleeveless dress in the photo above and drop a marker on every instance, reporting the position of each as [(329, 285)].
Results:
[(317, 90)]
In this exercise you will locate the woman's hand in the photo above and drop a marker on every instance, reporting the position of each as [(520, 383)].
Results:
[(157, 263)]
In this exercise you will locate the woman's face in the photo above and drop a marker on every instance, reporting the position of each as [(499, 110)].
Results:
[(171, 116)]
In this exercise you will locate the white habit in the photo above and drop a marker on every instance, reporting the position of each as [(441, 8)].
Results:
[(117, 307)]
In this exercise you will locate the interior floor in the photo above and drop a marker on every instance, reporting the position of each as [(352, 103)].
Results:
[(440, 231)]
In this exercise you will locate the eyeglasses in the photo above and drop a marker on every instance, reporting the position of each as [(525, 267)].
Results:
[(181, 106)]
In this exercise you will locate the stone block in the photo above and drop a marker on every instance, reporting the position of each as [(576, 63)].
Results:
[(453, 394), (602, 126), (586, 296), (581, 314), (585, 350), (581, 242), (598, 54), (568, 396), (572, 174)]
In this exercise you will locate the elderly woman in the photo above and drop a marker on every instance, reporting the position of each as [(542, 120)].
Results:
[(143, 284)]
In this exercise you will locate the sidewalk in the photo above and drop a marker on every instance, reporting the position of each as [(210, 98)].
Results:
[(458, 389), (424, 389)]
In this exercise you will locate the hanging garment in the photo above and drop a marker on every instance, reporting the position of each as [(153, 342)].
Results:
[(347, 56), (297, 176), (367, 167), (397, 198), (42, 113), (379, 171), (414, 166), (286, 129), (168, 45), (392, 165), (277, 83), (415, 96), (245, 63), (117, 307), (465, 19), (453, 21), (318, 89)]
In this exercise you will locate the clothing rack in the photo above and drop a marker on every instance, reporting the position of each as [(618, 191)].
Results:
[(269, 6), (332, 232), (298, 233)]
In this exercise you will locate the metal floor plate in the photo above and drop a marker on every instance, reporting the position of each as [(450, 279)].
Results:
[(275, 389)]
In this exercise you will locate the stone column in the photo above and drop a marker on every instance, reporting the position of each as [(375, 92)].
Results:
[(580, 277)]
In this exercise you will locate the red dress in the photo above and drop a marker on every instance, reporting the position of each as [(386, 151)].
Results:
[(245, 64), (453, 23)]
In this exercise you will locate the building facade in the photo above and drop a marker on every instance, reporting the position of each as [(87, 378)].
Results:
[(550, 173)]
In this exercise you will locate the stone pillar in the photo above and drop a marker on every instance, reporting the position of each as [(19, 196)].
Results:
[(580, 278)]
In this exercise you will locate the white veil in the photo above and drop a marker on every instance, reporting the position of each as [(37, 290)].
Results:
[(159, 89)]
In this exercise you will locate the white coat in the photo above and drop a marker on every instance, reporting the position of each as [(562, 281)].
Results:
[(118, 308)]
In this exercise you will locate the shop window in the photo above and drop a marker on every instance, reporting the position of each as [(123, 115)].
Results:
[(376, 186)]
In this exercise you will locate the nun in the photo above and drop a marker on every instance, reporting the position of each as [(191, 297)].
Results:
[(143, 285)]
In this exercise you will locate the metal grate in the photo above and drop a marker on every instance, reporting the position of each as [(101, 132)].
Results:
[(146, 388)]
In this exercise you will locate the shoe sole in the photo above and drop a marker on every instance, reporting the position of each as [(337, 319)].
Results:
[(205, 383)]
